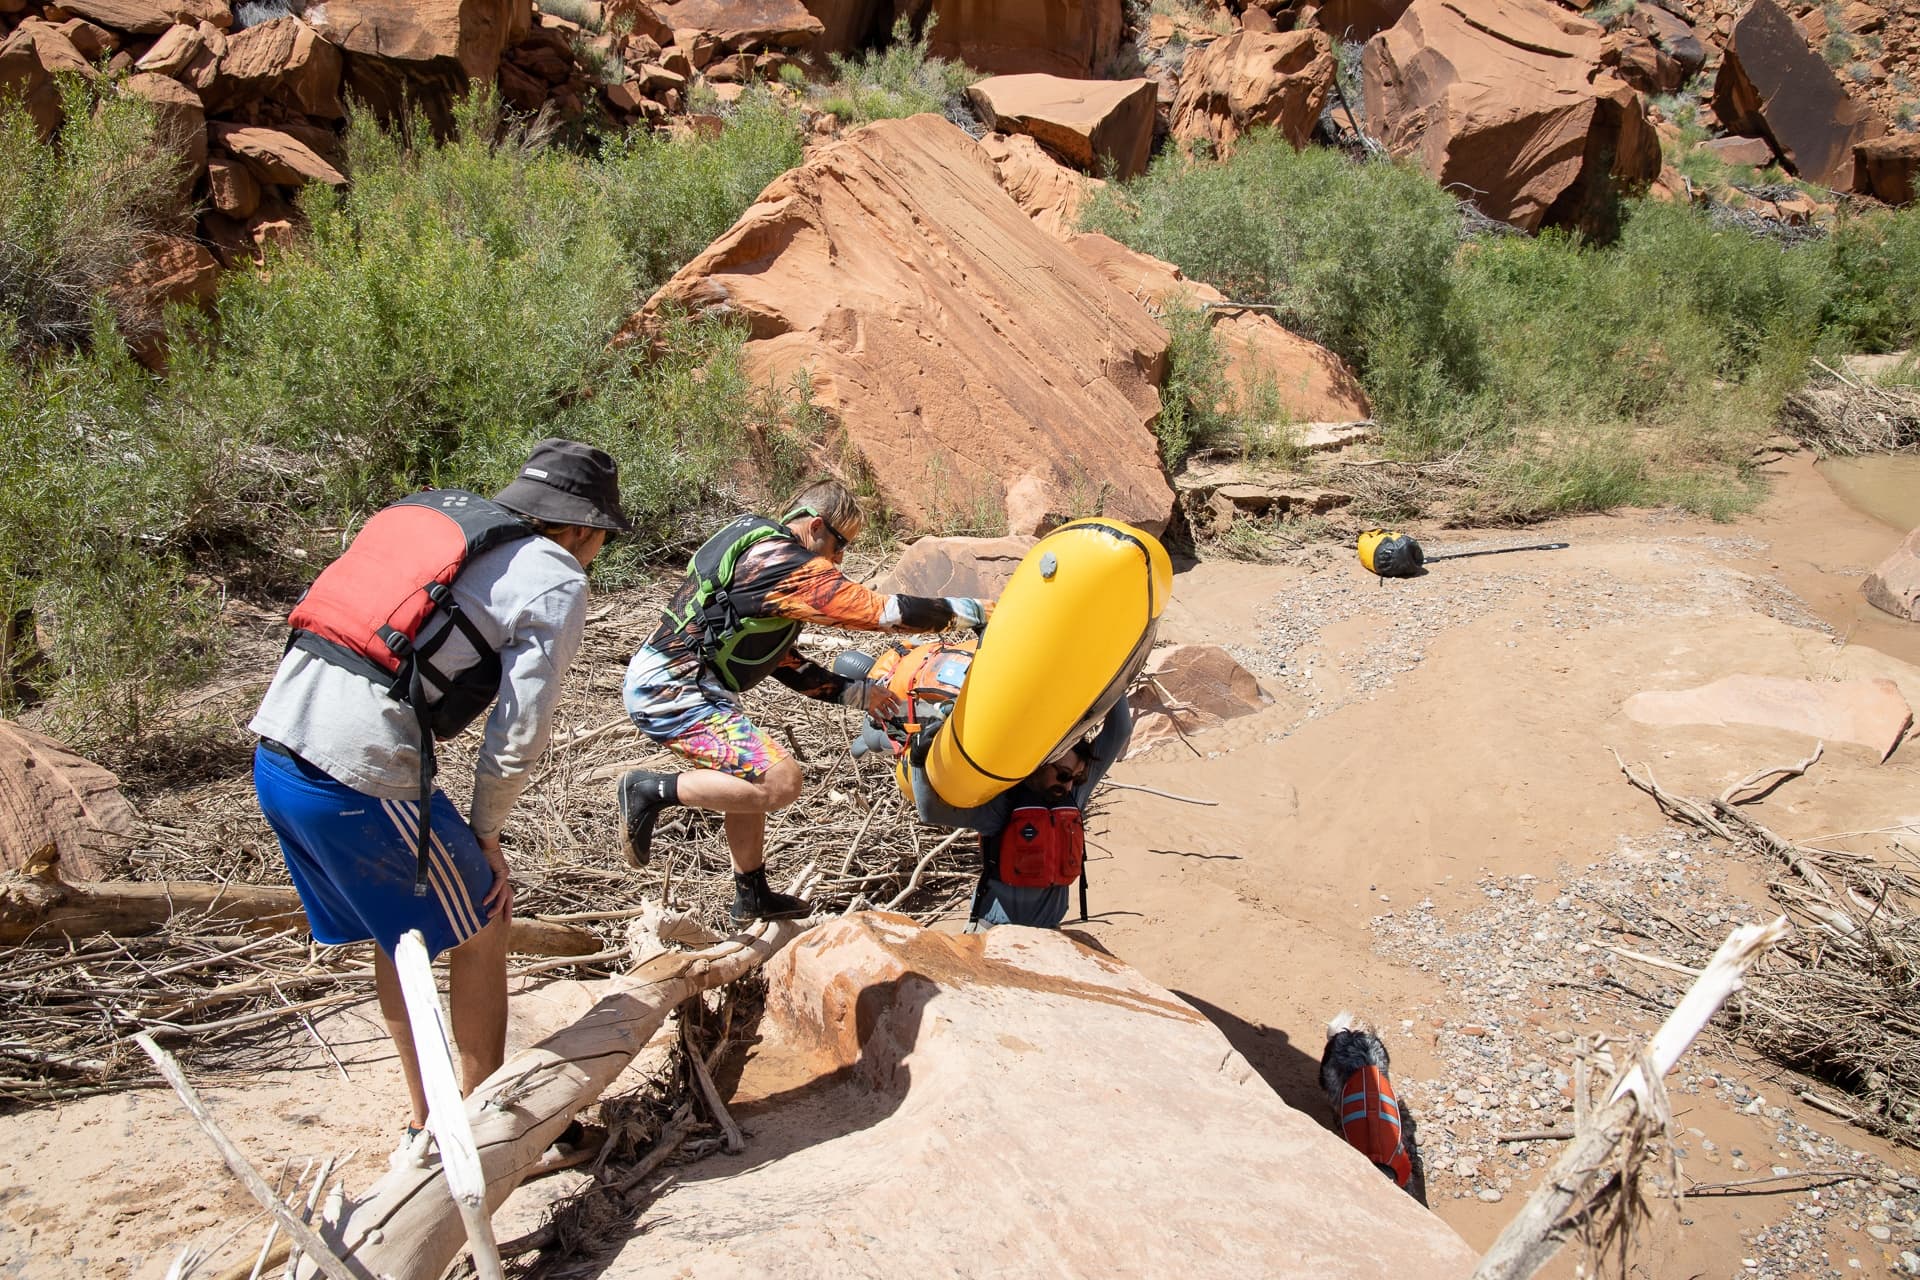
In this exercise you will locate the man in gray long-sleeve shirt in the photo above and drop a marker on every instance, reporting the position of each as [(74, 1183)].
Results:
[(339, 768)]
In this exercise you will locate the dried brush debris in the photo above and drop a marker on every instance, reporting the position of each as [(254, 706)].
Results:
[(224, 1002), (1844, 416), (1838, 1000)]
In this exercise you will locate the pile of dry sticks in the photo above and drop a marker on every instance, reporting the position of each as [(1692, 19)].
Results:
[(1840, 1000), (223, 998)]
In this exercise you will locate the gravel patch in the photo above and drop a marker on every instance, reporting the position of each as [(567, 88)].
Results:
[(1531, 968)]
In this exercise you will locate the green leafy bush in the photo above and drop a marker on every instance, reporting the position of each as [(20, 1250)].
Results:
[(1874, 300), (1195, 386), (668, 198), (902, 79), (108, 479), (75, 209), (455, 305), (1350, 253)]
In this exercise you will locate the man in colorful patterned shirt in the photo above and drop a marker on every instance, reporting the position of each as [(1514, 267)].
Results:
[(750, 589)]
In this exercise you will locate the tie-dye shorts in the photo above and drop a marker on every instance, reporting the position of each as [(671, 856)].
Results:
[(703, 725)]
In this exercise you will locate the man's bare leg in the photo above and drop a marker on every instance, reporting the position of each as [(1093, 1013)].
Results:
[(477, 992), (746, 804)]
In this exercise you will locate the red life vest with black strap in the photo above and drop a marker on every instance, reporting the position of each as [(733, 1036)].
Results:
[(370, 610), (1043, 844)]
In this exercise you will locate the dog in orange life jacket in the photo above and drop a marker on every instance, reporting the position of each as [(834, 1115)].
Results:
[(1353, 1071)]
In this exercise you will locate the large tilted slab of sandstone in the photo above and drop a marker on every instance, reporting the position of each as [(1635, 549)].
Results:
[(1871, 713), (1013, 1104), (1503, 102), (959, 346), (1771, 84)]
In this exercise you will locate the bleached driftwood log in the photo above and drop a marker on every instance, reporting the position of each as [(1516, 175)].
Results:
[(33, 907), (406, 1226), (1588, 1169)]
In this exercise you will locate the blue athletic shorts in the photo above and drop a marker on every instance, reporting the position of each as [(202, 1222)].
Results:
[(352, 856)]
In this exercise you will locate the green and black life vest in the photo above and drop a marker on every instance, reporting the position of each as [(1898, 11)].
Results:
[(743, 650)]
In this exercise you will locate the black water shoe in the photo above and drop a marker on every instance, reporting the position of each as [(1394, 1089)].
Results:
[(642, 797), (754, 900)]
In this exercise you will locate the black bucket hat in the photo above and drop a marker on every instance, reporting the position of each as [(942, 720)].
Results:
[(566, 482)]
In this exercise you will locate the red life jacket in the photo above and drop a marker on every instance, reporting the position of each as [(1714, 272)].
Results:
[(1042, 845), (368, 610), (1370, 1122)]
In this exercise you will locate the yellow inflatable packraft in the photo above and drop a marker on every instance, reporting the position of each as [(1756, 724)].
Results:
[(1069, 633)]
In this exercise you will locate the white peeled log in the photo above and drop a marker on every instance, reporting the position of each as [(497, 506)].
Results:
[(446, 1109), (1583, 1169), (406, 1226)]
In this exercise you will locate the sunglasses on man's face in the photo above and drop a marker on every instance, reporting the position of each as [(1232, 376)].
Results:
[(840, 539)]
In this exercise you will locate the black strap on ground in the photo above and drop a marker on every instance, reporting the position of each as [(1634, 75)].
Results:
[(1496, 551)]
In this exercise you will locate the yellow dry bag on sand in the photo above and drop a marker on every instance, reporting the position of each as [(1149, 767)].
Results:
[(1068, 635)]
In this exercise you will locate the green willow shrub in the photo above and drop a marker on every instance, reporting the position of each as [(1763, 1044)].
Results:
[(900, 80), (455, 305), (108, 481), (74, 210), (1874, 301), (667, 198)]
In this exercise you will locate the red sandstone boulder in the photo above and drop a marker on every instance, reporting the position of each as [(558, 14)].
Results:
[(1015, 1104), (173, 52), (1636, 59), (957, 345), (1049, 192), (1358, 19), (1895, 585), (1733, 149), (977, 567), (24, 78), (275, 155), (168, 270), (285, 60), (737, 24), (1308, 382), (232, 187), (642, 19), (424, 50), (1884, 168), (1188, 688), (1232, 85), (1671, 34), (1076, 38), (1089, 124), (1504, 102), (180, 123), (150, 17), (1772, 85)]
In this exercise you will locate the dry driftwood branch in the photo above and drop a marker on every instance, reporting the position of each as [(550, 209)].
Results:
[(1589, 1170), (33, 909), (324, 1258), (406, 1226), (710, 1092)]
